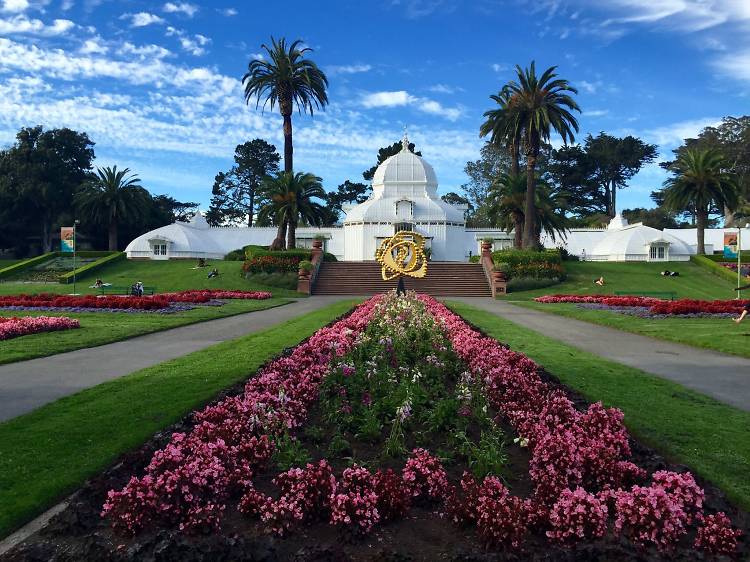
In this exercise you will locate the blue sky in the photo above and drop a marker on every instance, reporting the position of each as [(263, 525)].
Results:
[(157, 84)]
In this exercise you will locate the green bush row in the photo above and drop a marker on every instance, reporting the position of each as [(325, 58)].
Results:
[(529, 283), (302, 253), (15, 268), (721, 258), (711, 265), (531, 264), (286, 280), (109, 257)]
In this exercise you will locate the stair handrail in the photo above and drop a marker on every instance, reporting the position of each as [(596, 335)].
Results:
[(488, 266)]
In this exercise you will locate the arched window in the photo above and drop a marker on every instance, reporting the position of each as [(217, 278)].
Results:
[(404, 209)]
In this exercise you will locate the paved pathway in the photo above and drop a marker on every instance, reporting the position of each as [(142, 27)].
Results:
[(26, 385), (724, 377)]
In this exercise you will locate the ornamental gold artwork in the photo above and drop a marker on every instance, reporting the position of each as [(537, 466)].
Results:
[(402, 254)]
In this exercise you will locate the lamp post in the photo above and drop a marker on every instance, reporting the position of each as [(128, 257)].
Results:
[(739, 259), (75, 247)]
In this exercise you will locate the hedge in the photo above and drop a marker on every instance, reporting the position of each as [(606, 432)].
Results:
[(15, 268), (302, 253), (533, 264), (711, 265), (108, 258)]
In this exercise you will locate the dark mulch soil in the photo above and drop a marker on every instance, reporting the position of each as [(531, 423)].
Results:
[(79, 533)]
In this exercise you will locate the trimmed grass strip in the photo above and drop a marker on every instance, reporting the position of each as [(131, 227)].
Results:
[(48, 453), (686, 426)]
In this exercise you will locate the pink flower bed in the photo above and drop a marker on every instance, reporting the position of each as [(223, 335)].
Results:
[(579, 460), (188, 483), (655, 306), (16, 327), (584, 484)]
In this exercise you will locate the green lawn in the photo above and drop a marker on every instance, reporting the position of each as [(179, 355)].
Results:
[(694, 282), (46, 454), (98, 328), (685, 426), (168, 275)]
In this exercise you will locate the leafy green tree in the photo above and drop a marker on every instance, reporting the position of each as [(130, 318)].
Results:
[(234, 194), (347, 192), (700, 181), (658, 217), (494, 161), (110, 197), (616, 160), (39, 175), (537, 106), (571, 170), (453, 198), (383, 155), (290, 199), (288, 79)]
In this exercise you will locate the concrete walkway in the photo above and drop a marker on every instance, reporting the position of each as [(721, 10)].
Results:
[(27, 385), (721, 376)]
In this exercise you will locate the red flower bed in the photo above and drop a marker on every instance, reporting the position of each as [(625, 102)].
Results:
[(16, 327), (655, 306), (271, 264), (155, 302)]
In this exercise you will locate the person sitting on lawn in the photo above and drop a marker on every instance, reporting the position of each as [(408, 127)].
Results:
[(136, 289), (666, 273), (201, 262), (745, 309), (674, 274), (599, 281), (213, 273)]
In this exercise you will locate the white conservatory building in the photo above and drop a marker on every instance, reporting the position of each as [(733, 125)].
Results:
[(404, 197)]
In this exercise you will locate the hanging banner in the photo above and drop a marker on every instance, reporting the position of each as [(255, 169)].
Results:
[(67, 239), (730, 245)]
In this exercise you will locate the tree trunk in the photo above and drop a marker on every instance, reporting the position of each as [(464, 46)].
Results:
[(113, 235), (702, 216), (288, 149), (728, 217), (529, 227), (291, 239), (515, 168), (46, 237), (608, 197), (278, 242), (251, 208), (518, 230), (613, 210)]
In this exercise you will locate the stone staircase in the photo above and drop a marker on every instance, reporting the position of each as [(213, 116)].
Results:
[(363, 278)]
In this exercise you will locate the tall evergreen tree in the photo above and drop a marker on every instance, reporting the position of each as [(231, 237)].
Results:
[(384, 153), (234, 197)]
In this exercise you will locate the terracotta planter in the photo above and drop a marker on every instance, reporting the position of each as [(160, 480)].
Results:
[(303, 274), (499, 276), (486, 247)]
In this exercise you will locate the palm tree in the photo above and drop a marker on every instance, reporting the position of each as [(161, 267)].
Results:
[(290, 80), (503, 126), (536, 106), (290, 200), (700, 182), (508, 195), (111, 196)]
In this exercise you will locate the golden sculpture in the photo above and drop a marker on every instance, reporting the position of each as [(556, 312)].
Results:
[(402, 254)]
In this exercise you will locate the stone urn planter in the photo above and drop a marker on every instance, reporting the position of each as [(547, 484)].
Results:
[(317, 244), (486, 247), (499, 276)]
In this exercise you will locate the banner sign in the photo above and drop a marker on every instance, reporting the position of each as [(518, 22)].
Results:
[(67, 239), (730, 245)]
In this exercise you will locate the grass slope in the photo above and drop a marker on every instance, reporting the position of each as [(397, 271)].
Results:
[(48, 453), (694, 282), (168, 275), (687, 427), (99, 328)]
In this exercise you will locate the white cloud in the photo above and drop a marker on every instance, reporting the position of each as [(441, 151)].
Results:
[(144, 51), (673, 134), (735, 65), (682, 15), (500, 67), (589, 87), (14, 6), (229, 12), (20, 24), (596, 113), (348, 69), (402, 98), (257, 56), (142, 19), (387, 99), (93, 46), (445, 89), (193, 45), (181, 7)]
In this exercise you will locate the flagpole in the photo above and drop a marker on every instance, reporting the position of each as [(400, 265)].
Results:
[(75, 247)]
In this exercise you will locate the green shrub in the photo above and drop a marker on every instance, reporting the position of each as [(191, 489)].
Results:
[(546, 264), (91, 267), (301, 253), (305, 265), (518, 284), (474, 259), (289, 453), (235, 255), (283, 280), (711, 265)]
